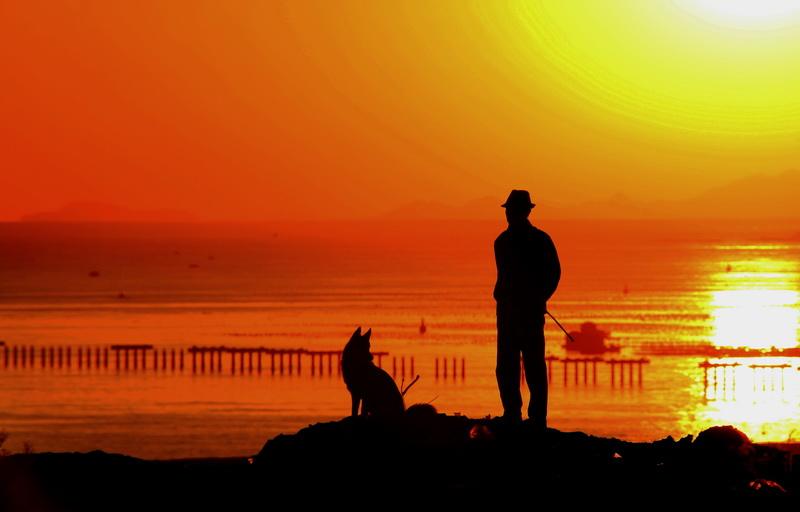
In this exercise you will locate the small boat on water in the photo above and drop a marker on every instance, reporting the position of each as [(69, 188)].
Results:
[(589, 340)]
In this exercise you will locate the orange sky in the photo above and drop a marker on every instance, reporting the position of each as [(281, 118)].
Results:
[(317, 109)]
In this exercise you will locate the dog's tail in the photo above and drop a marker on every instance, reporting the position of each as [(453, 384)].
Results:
[(404, 391)]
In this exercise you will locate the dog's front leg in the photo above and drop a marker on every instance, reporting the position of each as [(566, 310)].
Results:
[(356, 400)]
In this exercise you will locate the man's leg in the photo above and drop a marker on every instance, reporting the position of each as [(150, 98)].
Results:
[(536, 370), (507, 370)]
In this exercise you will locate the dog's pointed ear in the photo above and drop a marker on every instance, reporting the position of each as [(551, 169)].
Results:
[(367, 334), (357, 332)]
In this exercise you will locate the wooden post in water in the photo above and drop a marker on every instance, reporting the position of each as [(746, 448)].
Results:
[(272, 361), (630, 374), (105, 357), (380, 361), (69, 357), (299, 363), (5, 355), (202, 361), (80, 358), (241, 361), (233, 362), (24, 351), (164, 359), (42, 357), (259, 361), (180, 360), (172, 360), (250, 361), (313, 365), (444, 366), (281, 361), (641, 361), (455, 368), (611, 362), (339, 363), (194, 360)]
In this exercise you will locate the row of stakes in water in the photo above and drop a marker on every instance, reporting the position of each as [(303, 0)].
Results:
[(207, 360), (280, 361)]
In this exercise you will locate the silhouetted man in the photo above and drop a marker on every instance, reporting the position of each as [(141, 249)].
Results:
[(528, 272)]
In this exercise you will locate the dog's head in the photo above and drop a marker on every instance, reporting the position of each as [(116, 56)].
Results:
[(357, 349)]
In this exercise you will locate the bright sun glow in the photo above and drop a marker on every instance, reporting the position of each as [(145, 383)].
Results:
[(746, 13), (755, 318), (754, 297)]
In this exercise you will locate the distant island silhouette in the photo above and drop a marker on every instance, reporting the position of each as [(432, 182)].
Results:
[(105, 212), (766, 196)]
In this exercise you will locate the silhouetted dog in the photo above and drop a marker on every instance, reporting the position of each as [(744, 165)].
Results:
[(367, 383)]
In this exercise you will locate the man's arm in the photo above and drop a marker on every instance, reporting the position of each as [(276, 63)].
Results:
[(553, 268), (497, 265)]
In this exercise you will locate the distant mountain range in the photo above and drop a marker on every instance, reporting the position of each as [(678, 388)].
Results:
[(761, 196), (104, 212)]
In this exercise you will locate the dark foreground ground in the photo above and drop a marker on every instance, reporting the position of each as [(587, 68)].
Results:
[(425, 457)]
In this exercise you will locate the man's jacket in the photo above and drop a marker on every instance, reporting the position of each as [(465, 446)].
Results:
[(528, 269)]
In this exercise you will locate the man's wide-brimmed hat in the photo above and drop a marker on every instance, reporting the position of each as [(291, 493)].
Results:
[(518, 199)]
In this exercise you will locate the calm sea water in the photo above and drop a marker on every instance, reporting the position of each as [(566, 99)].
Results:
[(309, 285)]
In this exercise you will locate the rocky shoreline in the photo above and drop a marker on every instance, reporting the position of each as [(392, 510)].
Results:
[(426, 454)]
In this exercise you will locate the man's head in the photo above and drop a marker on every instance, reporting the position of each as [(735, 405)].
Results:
[(518, 206)]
